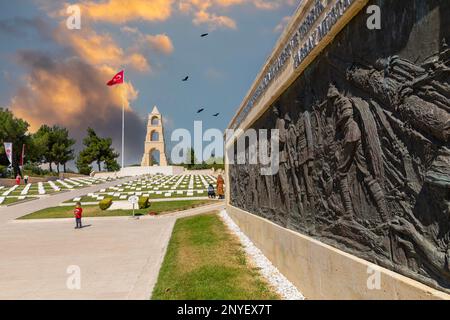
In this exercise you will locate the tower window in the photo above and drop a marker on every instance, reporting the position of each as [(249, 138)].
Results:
[(155, 121)]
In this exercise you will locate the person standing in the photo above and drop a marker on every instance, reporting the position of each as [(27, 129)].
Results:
[(220, 188), (25, 179), (211, 192), (78, 212), (18, 179)]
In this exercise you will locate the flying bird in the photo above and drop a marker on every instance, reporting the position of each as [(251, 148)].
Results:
[(204, 35), (200, 110), (185, 79), (215, 115)]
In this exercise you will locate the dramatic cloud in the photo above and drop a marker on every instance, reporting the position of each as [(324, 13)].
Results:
[(99, 49), (122, 11), (68, 86), (260, 4), (160, 43), (72, 93), (266, 5), (204, 11), (213, 21), (19, 26), (202, 14)]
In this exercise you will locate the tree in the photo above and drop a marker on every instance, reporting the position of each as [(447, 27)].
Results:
[(98, 150), (83, 165), (53, 145), (13, 130), (112, 165), (215, 160), (61, 149), (215, 163), (190, 158), (42, 141), (38, 149)]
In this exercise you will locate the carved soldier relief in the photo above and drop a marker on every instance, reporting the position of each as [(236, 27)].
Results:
[(365, 147)]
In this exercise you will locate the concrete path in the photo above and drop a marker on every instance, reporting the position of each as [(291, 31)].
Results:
[(118, 257), (218, 206)]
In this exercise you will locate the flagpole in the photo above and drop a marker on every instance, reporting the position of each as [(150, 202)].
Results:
[(123, 125), (120, 79)]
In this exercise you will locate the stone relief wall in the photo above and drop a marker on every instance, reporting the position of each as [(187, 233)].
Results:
[(365, 145)]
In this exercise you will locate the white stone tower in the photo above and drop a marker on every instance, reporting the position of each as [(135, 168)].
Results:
[(154, 141)]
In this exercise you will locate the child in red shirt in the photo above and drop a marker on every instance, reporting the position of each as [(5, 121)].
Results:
[(78, 212), (18, 180)]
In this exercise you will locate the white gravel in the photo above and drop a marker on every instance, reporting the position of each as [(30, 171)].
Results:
[(282, 285)]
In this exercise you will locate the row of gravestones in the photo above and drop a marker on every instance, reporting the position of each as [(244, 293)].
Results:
[(151, 185), (29, 190)]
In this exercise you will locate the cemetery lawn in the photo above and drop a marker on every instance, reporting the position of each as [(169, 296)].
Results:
[(151, 196), (94, 211), (206, 262)]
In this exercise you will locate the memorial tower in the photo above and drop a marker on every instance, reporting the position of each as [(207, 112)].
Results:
[(154, 149)]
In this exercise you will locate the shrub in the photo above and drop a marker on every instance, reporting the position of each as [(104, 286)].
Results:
[(144, 202), (3, 171), (34, 170), (105, 203)]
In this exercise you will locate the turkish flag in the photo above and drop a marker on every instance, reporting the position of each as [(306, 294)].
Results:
[(118, 79)]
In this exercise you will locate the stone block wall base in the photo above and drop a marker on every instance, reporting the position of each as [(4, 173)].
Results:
[(323, 272)]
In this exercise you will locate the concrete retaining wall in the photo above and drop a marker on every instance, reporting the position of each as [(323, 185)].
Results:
[(320, 271)]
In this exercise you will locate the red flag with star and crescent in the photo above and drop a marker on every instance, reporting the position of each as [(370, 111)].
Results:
[(118, 79)]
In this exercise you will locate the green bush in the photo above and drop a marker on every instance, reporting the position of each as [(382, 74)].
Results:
[(144, 202), (33, 169), (3, 171), (105, 203)]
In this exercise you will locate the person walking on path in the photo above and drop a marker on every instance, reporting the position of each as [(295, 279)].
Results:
[(78, 212), (25, 179), (220, 189)]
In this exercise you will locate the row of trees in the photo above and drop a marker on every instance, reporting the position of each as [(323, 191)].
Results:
[(53, 146), (97, 150), (212, 162)]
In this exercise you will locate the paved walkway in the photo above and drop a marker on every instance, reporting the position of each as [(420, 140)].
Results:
[(118, 257)]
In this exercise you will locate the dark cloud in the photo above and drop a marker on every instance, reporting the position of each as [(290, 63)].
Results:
[(73, 94), (22, 27)]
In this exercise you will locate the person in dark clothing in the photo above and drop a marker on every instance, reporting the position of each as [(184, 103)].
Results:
[(211, 192)]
